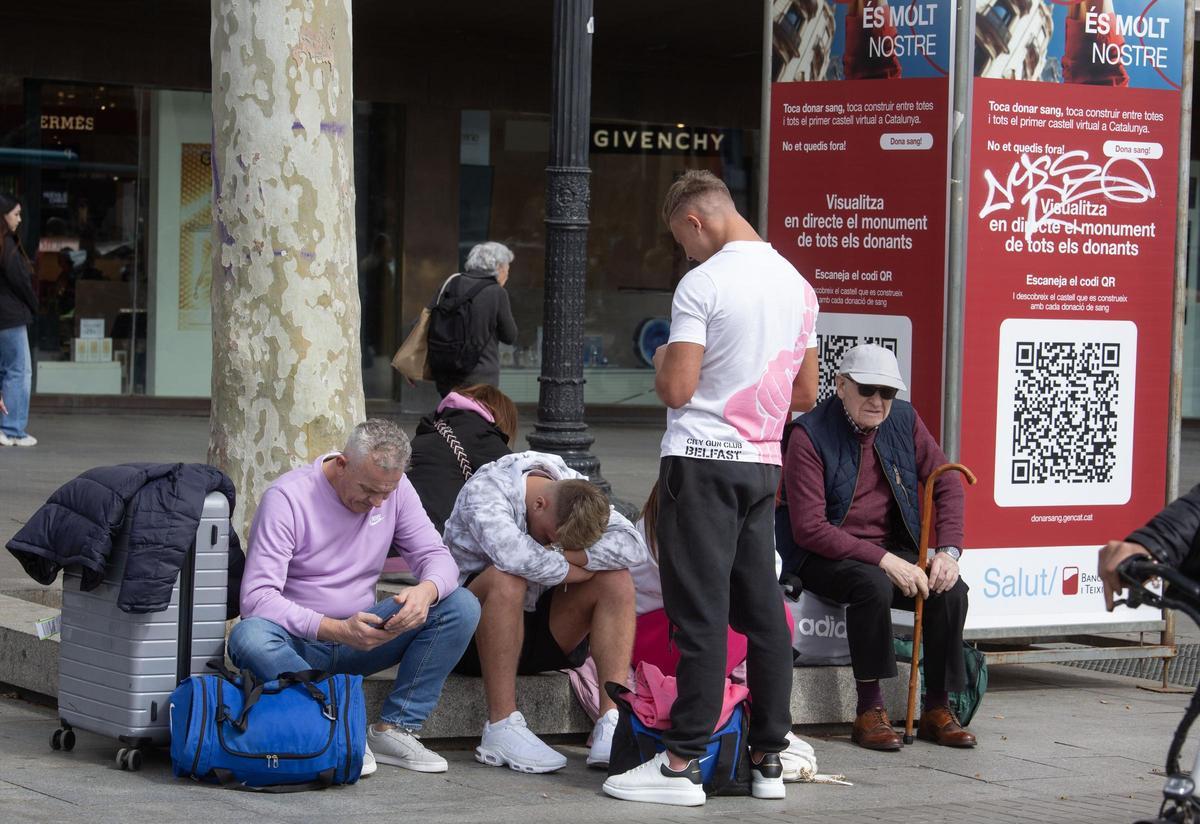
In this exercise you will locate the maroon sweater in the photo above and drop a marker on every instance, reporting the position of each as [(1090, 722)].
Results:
[(868, 529)]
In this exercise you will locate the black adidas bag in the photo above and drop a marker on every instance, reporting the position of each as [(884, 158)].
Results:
[(451, 351), (725, 766)]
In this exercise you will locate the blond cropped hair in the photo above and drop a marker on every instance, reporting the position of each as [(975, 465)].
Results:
[(581, 511), (693, 185)]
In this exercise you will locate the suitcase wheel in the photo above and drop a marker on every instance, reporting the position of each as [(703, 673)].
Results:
[(63, 739), (129, 759)]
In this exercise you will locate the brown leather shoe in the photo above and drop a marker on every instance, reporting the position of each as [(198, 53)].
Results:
[(873, 731), (940, 725)]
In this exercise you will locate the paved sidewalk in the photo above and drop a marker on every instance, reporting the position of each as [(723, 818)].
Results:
[(1055, 746)]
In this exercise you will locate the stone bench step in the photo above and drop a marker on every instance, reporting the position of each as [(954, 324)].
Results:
[(820, 695)]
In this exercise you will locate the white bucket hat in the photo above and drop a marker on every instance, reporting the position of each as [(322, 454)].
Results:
[(872, 365)]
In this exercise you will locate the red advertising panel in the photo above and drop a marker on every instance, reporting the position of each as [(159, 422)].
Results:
[(1070, 264), (858, 176)]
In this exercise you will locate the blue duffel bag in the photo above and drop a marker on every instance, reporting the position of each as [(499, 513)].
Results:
[(305, 730)]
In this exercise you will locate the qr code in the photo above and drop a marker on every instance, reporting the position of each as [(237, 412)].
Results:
[(833, 347), (839, 332), (1065, 412), (1065, 408)]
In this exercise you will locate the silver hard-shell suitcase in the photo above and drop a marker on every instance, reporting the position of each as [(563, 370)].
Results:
[(116, 670)]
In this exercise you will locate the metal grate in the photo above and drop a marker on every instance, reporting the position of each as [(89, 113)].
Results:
[(1184, 671)]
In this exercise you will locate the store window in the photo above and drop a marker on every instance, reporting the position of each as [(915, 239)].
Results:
[(379, 195), (633, 263), (116, 187), (71, 153)]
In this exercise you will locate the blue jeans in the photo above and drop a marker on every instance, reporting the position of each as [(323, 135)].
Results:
[(425, 655), (16, 380)]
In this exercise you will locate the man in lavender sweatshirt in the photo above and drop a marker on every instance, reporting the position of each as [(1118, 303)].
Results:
[(319, 541), (851, 476)]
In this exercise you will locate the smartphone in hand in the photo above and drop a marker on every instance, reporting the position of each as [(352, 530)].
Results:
[(385, 609)]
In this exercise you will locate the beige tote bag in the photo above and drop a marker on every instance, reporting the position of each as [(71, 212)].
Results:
[(411, 359)]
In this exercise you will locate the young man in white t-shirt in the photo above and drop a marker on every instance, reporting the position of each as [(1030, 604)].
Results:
[(738, 360)]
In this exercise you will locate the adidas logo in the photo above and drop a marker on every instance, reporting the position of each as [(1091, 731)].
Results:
[(821, 628)]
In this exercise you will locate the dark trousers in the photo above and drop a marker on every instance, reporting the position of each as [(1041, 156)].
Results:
[(870, 596), (717, 561)]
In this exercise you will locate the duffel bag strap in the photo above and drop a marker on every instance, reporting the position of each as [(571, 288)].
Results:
[(229, 781), (250, 695), (308, 679), (308, 676), (251, 689), (238, 679), (304, 679)]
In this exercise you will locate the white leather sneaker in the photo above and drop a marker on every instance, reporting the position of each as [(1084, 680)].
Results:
[(402, 748), (798, 760), (602, 739), (28, 440), (766, 778), (511, 743), (654, 782), (5, 440), (369, 764)]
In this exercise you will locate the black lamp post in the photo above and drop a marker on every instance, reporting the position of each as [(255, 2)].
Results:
[(560, 428)]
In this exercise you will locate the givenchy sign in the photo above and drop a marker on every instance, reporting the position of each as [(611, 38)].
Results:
[(626, 139)]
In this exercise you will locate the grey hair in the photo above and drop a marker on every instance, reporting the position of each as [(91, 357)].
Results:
[(488, 257), (382, 441)]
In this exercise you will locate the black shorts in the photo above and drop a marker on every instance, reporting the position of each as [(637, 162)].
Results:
[(539, 651)]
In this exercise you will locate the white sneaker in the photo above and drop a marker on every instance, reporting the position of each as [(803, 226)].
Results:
[(5, 440), (798, 760), (766, 778), (602, 738), (369, 765), (511, 743), (401, 748), (28, 440), (656, 783)]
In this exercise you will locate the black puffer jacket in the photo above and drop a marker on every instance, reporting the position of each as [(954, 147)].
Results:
[(435, 471), (1173, 535), (18, 303), (163, 502)]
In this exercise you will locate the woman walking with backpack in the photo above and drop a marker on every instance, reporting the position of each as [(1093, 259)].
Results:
[(470, 319), (18, 306)]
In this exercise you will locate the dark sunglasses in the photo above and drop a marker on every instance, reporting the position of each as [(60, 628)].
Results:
[(867, 390)]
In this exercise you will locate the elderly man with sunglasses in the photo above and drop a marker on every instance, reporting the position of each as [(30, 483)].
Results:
[(851, 474)]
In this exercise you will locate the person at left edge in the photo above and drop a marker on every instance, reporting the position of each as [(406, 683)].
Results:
[(18, 307), (318, 543)]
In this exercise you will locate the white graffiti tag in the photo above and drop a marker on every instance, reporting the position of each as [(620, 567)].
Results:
[(1048, 185)]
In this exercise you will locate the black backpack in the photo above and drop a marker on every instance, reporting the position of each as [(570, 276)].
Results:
[(451, 351)]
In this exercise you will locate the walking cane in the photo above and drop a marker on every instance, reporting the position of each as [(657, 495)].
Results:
[(919, 611)]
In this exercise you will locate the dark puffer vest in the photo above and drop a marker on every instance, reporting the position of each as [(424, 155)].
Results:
[(839, 447)]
